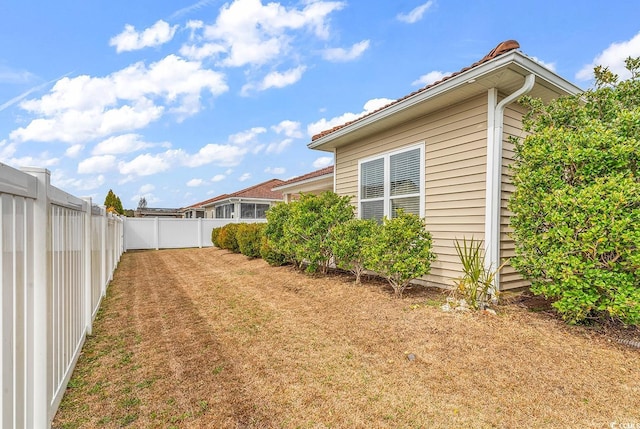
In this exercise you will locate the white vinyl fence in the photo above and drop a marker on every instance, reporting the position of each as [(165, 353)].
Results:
[(57, 253), (171, 233)]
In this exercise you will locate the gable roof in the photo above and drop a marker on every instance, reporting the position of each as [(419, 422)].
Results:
[(314, 175), (502, 48), (504, 68), (262, 190)]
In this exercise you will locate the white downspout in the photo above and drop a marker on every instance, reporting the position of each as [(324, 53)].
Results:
[(495, 122), (335, 170)]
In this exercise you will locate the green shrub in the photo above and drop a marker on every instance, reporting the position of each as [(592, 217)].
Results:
[(270, 255), (249, 238), (307, 228), (400, 250), (576, 203), (227, 237), (347, 242), (215, 232), (277, 241)]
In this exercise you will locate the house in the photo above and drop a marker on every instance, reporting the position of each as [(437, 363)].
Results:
[(316, 182), (197, 210), (442, 152), (247, 205), (157, 212)]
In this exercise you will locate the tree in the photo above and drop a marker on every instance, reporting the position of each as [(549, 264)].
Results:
[(112, 203), (307, 228), (348, 240), (576, 205), (142, 203), (400, 250)]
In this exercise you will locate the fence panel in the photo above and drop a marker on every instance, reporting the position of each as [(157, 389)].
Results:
[(170, 233), (55, 266)]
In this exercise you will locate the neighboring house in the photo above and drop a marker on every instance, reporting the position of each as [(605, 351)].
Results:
[(197, 210), (315, 183), (157, 212), (249, 204), (442, 152), (192, 212)]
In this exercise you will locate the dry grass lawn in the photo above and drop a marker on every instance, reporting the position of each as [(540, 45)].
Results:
[(201, 338)]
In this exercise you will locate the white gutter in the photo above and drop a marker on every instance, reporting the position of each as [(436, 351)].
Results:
[(495, 123)]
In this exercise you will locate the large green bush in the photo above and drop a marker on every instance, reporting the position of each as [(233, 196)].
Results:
[(576, 203), (227, 237), (347, 242), (270, 255), (215, 232), (400, 250), (307, 228), (277, 242), (249, 238)]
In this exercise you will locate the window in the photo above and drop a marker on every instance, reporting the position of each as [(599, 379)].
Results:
[(390, 182), (224, 211), (253, 211)]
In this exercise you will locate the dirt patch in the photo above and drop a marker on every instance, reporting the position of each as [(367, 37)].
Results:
[(205, 338)]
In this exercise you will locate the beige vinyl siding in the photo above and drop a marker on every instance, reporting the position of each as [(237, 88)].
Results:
[(509, 279), (455, 170)]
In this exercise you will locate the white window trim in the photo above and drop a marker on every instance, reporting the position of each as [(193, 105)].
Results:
[(387, 174)]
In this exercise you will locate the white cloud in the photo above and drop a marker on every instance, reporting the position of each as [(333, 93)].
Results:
[(195, 183), (278, 147), (151, 199), (221, 155), (344, 55), (125, 143), (613, 57), (7, 150), (43, 160), (429, 78), (323, 161), (218, 178), (84, 108), (97, 164), (253, 33), (59, 179), (416, 14), (145, 165), (275, 170), (288, 128), (188, 9), (195, 52), (276, 79), (74, 151), (244, 137), (326, 124), (131, 40), (14, 76), (245, 177), (146, 188), (550, 66)]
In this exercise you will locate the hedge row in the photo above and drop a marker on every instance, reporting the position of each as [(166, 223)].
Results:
[(319, 230), (245, 238)]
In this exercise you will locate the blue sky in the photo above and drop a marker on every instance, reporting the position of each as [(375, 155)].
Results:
[(180, 101)]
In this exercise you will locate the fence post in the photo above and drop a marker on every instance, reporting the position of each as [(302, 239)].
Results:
[(87, 267), (39, 360), (200, 233), (157, 234), (103, 250)]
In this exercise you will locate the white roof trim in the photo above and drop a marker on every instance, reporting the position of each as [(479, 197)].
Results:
[(515, 57), (303, 182)]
